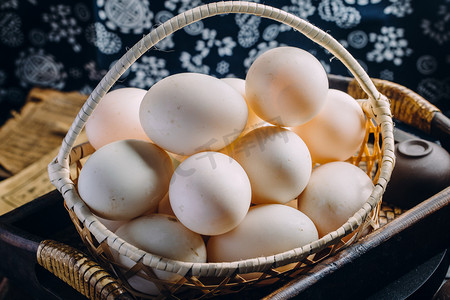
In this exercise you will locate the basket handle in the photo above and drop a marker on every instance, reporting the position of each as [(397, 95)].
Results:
[(412, 109), (79, 271), (198, 13), (406, 105), (378, 104)]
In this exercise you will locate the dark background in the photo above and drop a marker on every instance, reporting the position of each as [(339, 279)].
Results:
[(69, 45)]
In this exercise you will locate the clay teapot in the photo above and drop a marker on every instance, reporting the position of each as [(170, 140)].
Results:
[(422, 169)]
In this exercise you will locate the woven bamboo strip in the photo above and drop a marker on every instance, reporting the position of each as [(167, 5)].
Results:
[(78, 271)]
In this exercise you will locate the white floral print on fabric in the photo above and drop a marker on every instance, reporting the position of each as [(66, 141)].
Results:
[(148, 71), (271, 32), (9, 4), (106, 42), (399, 8), (75, 72), (390, 45), (78, 41), (193, 63), (362, 2), (224, 46), (301, 8), (35, 67), (182, 5), (94, 72), (194, 28), (82, 12), (387, 75), (223, 67), (11, 29), (127, 16), (336, 11), (2, 77), (37, 37), (166, 44), (439, 28), (162, 16), (203, 48), (427, 64), (248, 33), (434, 89), (63, 26), (357, 39)]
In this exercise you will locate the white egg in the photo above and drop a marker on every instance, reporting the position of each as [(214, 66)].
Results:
[(210, 193), (253, 120), (337, 131), (188, 113), (286, 86), (267, 229), (277, 163), (125, 179), (335, 192), (237, 83), (116, 117), (111, 225), (161, 235)]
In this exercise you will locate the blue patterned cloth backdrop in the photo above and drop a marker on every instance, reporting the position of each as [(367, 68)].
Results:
[(69, 45)]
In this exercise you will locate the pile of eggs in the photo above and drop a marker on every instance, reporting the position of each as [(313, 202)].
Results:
[(202, 169)]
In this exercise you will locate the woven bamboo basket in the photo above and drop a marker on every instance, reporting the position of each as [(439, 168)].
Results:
[(376, 157)]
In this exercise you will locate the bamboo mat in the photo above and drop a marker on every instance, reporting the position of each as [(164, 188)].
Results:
[(30, 140)]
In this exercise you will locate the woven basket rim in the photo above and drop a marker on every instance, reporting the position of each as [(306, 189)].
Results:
[(377, 106)]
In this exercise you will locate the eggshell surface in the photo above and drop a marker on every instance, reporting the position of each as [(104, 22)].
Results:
[(286, 86), (267, 229), (125, 179), (253, 120), (116, 117), (337, 131), (277, 163), (161, 235), (188, 113), (335, 192), (210, 193)]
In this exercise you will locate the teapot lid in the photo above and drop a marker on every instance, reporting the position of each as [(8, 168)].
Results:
[(414, 148)]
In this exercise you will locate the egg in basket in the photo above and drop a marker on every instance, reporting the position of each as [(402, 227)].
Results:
[(203, 186)]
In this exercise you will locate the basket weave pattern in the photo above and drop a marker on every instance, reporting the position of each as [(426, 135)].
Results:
[(368, 158), (216, 278)]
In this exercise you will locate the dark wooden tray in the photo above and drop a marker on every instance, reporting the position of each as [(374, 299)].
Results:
[(412, 247)]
